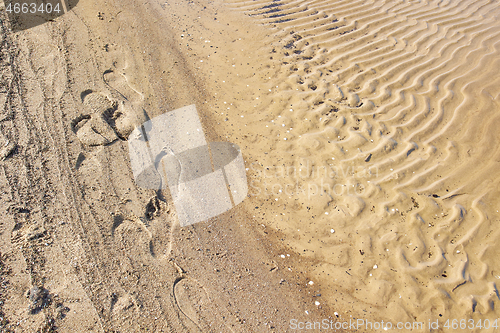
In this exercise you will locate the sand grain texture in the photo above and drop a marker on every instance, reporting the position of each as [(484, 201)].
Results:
[(83, 248), (370, 134), (377, 151)]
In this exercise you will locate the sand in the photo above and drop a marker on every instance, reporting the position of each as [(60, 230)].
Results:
[(383, 163), (369, 133)]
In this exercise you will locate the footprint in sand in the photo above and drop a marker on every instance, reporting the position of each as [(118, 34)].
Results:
[(199, 312), (154, 242), (129, 113), (195, 309), (152, 232), (134, 237), (108, 120), (92, 128)]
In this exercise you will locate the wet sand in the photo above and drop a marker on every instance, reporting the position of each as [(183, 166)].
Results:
[(85, 249)]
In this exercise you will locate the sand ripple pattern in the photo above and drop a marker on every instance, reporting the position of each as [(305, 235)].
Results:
[(391, 110)]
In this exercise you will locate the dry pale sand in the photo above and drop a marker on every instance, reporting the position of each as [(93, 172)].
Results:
[(370, 134)]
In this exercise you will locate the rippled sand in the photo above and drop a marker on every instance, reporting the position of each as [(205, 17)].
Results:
[(373, 146)]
